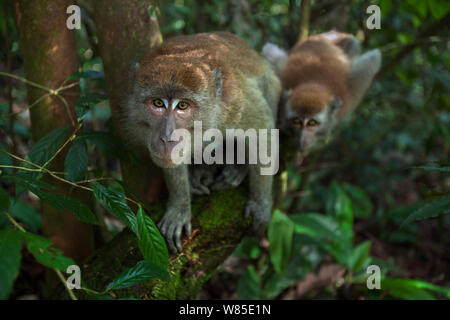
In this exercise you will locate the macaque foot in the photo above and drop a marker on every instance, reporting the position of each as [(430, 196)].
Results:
[(230, 177), (171, 227), (261, 215)]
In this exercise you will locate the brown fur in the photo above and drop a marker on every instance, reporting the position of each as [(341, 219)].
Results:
[(316, 71), (187, 60)]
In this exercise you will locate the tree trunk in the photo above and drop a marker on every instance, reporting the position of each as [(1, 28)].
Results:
[(126, 32), (50, 56)]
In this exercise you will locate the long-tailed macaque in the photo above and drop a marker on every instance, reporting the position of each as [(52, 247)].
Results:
[(215, 78), (324, 78)]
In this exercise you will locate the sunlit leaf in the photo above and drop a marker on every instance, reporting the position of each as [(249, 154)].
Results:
[(281, 230), (151, 242), (45, 253)]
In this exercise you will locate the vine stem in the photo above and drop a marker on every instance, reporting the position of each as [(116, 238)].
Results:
[(42, 169)]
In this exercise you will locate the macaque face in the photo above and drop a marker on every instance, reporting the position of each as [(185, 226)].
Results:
[(307, 128), (166, 114)]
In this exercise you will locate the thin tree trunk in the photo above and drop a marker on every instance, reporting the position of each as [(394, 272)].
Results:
[(126, 31), (50, 56)]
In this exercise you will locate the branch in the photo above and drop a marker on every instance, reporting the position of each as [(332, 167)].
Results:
[(431, 30), (304, 20), (218, 226)]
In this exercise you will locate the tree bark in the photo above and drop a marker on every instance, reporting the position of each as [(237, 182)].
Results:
[(126, 31), (50, 56)]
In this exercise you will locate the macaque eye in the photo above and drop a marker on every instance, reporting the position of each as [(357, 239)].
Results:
[(296, 121), (158, 103), (312, 123), (182, 105)]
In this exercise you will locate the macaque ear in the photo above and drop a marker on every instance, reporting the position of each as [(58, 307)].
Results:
[(134, 66), (276, 56), (217, 74)]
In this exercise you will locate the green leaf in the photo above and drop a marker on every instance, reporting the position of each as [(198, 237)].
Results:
[(317, 226), (281, 231), (27, 214), (142, 271), (28, 182), (359, 258), (248, 248), (339, 206), (412, 284), (87, 101), (439, 8), (116, 205), (409, 289), (249, 286), (431, 209), (362, 205), (47, 255), (150, 241), (47, 146), (10, 247), (63, 202), (76, 161), (5, 200), (105, 142)]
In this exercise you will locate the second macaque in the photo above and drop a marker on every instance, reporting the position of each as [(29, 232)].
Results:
[(324, 78)]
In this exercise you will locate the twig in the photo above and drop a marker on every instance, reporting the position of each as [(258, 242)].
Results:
[(304, 20)]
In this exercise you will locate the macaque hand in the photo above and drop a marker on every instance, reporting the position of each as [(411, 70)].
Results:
[(172, 225), (230, 177), (201, 179), (261, 215)]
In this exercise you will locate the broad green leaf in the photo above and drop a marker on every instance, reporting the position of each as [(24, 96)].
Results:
[(87, 101), (249, 286), (10, 247), (63, 202), (116, 205), (150, 241), (359, 257), (142, 271), (27, 214), (339, 206), (42, 250), (431, 209), (4, 200), (362, 205), (47, 146), (76, 161), (248, 248), (316, 225), (407, 289), (281, 230), (105, 142), (439, 8), (418, 285)]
